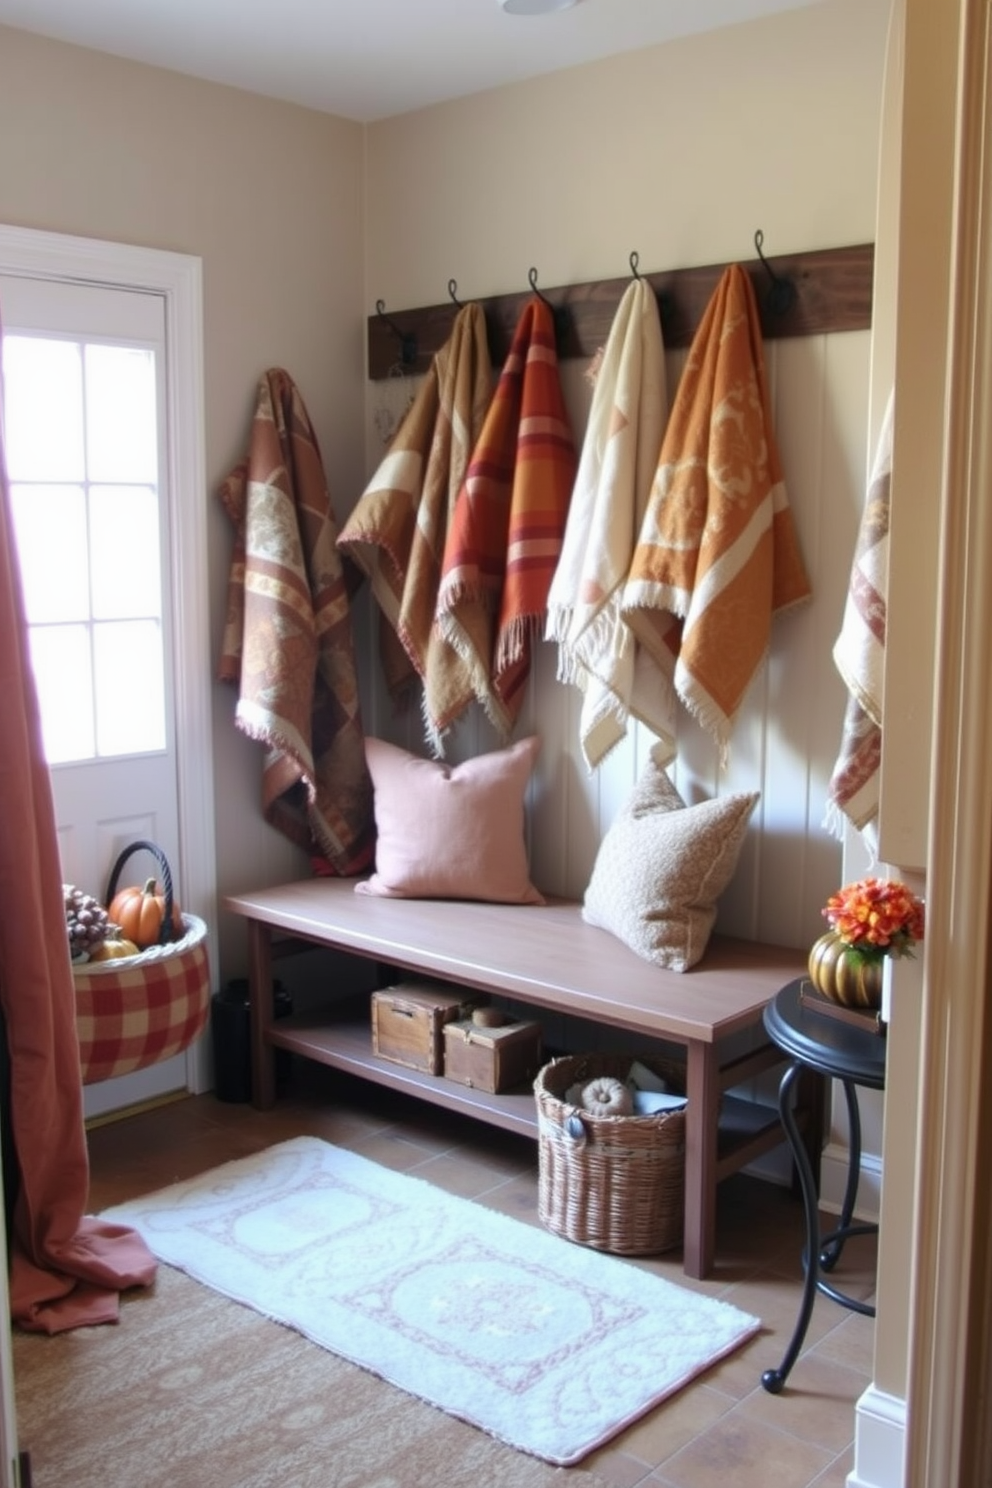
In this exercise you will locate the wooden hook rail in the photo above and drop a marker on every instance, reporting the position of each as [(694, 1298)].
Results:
[(833, 293)]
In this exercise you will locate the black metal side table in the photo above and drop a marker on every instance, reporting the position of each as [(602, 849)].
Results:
[(855, 1056)]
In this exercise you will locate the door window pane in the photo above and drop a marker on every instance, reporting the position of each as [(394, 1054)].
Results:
[(50, 527), (125, 552), (127, 659), (60, 659), (120, 414), (43, 434)]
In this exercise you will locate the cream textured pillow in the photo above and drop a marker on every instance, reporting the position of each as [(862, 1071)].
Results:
[(661, 868), (451, 831)]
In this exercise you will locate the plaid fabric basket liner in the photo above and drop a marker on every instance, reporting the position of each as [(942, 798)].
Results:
[(141, 1009)]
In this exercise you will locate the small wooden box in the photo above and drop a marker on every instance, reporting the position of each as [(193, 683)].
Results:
[(491, 1059), (407, 1021)]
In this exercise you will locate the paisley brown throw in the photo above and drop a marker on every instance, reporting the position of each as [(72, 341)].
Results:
[(288, 642)]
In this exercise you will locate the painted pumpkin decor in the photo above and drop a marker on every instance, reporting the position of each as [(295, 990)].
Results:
[(844, 974), (870, 921)]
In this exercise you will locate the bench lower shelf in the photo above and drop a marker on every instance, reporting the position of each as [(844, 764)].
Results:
[(746, 1129)]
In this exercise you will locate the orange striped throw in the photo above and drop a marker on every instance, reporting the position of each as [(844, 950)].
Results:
[(717, 554), (506, 532), (397, 531)]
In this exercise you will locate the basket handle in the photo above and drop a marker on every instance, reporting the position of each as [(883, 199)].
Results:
[(166, 933)]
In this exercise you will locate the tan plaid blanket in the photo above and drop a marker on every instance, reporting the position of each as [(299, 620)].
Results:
[(288, 644), (396, 533)]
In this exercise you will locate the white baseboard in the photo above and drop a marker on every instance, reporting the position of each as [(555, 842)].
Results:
[(833, 1181), (879, 1441), (776, 1167)]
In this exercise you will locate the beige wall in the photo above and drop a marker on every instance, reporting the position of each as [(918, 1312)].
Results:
[(680, 152), (270, 197)]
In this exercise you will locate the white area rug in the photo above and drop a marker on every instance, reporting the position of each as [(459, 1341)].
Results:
[(548, 1346)]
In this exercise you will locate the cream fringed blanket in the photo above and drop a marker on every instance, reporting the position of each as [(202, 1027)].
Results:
[(717, 554), (506, 531), (396, 533), (596, 651), (288, 640), (859, 654)]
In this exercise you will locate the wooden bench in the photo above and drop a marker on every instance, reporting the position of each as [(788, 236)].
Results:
[(546, 957)]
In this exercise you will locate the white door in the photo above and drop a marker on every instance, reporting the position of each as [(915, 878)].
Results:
[(87, 419), (84, 404)]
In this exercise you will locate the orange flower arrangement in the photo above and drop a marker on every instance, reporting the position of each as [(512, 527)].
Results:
[(877, 917)]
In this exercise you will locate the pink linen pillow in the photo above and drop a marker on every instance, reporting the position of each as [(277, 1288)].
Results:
[(451, 831)]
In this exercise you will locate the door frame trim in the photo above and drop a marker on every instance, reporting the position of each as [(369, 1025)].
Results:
[(178, 278)]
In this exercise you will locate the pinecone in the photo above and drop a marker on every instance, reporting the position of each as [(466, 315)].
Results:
[(86, 921)]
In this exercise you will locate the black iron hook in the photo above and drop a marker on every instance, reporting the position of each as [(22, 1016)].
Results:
[(532, 281), (408, 342), (665, 306), (561, 314), (782, 295), (453, 292)]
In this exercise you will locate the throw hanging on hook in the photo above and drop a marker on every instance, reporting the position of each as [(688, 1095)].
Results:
[(408, 343), (560, 312), (665, 307), (781, 296)]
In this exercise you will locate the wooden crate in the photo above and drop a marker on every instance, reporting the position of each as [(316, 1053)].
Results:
[(407, 1020), (491, 1059)]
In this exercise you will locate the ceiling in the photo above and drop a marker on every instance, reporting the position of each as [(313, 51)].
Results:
[(370, 59)]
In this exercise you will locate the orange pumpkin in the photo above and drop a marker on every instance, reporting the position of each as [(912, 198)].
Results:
[(140, 913)]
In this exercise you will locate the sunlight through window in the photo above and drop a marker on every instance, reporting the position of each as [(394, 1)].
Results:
[(82, 454)]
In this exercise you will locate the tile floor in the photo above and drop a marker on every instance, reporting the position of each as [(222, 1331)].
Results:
[(723, 1429)]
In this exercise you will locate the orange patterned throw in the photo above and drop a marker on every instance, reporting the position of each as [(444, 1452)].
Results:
[(718, 554), (396, 533), (509, 518), (288, 641)]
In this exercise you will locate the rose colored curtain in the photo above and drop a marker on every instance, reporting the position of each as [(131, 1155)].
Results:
[(65, 1270)]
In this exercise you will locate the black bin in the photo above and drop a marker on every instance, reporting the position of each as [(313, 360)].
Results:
[(230, 1027)]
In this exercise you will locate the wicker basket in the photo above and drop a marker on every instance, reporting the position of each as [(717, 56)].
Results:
[(134, 1011), (615, 1183)]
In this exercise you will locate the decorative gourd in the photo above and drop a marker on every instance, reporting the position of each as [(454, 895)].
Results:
[(845, 975), (140, 913), (114, 948)]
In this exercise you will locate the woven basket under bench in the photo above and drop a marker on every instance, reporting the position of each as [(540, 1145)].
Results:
[(615, 1183)]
